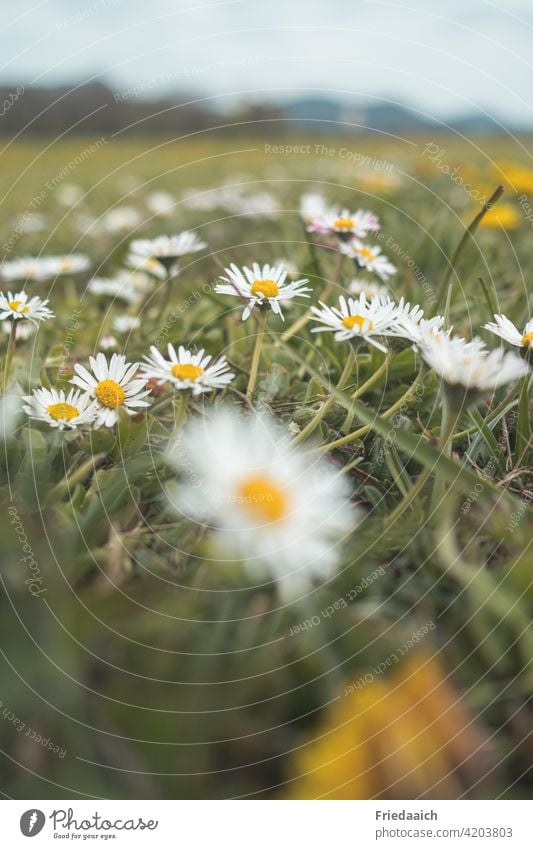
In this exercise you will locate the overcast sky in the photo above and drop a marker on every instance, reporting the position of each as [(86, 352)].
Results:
[(442, 57)]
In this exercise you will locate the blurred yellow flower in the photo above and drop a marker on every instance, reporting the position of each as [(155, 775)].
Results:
[(502, 215), (517, 178), (407, 735)]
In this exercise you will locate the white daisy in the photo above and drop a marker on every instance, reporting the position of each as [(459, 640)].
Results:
[(161, 204), (345, 224), (467, 368), (25, 329), (283, 515), (69, 194), (261, 285), (60, 410), (356, 318), (313, 207), (108, 342), (148, 265), (187, 370), (25, 268), (9, 416), (360, 286), (121, 219), (18, 306), (370, 258), (505, 329), (66, 264), (126, 323), (411, 325), (129, 286), (113, 385), (167, 249)]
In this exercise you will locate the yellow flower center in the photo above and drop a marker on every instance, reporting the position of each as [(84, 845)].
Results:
[(343, 223), (63, 411), (367, 253), (14, 305), (263, 498), (186, 371), (110, 394), (267, 288), (358, 321), (527, 339)]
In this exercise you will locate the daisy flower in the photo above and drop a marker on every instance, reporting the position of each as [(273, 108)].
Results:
[(161, 204), (356, 318), (129, 286), (345, 224), (360, 286), (261, 285), (167, 249), (313, 208), (148, 265), (25, 329), (505, 329), (113, 385), (370, 258), (126, 323), (467, 369), (24, 268), (18, 306), (187, 370), (66, 264), (60, 410), (411, 325), (107, 342), (9, 415), (284, 516), (121, 219)]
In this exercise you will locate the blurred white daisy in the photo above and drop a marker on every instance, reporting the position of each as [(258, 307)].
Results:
[(467, 368), (343, 223), (24, 268), (261, 285), (356, 318), (312, 207), (167, 249), (161, 204), (67, 264), (505, 329), (129, 286), (10, 408), (60, 410), (186, 370), (121, 219), (370, 258), (360, 286), (68, 194), (25, 329), (113, 385), (148, 265), (126, 323), (282, 514), (108, 342), (18, 306)]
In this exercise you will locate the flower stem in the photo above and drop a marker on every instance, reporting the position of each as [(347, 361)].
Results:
[(10, 353), (406, 398), (83, 471), (180, 409), (252, 380), (383, 369), (303, 320), (327, 405), (449, 422)]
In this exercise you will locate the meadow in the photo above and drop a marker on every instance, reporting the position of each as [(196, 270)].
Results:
[(142, 656)]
